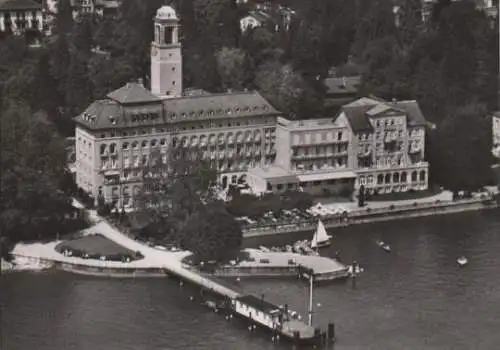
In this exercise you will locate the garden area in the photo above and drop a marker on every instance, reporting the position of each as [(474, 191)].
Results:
[(97, 247), (271, 209), (408, 195)]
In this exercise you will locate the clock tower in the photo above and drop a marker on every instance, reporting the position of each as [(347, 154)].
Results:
[(166, 56)]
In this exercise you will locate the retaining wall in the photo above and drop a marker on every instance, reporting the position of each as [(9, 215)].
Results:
[(369, 215)]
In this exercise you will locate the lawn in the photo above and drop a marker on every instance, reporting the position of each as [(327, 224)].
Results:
[(401, 196), (95, 245)]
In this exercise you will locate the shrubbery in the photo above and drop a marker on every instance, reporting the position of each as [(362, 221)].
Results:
[(254, 207)]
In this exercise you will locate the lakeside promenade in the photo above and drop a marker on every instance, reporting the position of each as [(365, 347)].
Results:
[(378, 212)]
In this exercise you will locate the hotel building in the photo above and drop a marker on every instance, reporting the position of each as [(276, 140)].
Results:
[(371, 142), (375, 143)]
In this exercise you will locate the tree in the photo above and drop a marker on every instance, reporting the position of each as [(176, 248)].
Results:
[(377, 22), (464, 147), (82, 36), (261, 45), (217, 22), (201, 68), (78, 87), (409, 21), (133, 34), (108, 73), (287, 90), (33, 162), (64, 17), (60, 60), (233, 67), (212, 233)]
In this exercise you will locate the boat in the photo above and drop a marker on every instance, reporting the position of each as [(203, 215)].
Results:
[(462, 261), (384, 246), (321, 239)]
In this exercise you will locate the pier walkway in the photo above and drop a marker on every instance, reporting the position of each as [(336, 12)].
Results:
[(153, 258), (318, 264)]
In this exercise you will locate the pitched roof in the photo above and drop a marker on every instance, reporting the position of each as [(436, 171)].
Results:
[(359, 112), (19, 5), (212, 106), (414, 113), (342, 85), (357, 117), (123, 109), (132, 93)]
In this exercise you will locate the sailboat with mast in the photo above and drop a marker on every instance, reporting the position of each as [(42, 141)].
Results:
[(321, 239)]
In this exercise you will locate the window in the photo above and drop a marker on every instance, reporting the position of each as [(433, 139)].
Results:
[(173, 82), (102, 149), (135, 144)]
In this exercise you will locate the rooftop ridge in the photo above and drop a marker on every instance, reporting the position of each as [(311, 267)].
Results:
[(214, 95)]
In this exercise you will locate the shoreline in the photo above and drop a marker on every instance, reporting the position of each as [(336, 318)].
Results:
[(384, 214)]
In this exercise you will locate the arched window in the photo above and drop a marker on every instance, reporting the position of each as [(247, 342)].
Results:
[(414, 176), (125, 145), (224, 181), (112, 148), (403, 177), (388, 178), (102, 149), (422, 175), (168, 35), (395, 177), (380, 179), (144, 144)]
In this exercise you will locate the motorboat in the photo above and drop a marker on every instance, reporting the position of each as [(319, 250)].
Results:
[(321, 239), (384, 246), (462, 261)]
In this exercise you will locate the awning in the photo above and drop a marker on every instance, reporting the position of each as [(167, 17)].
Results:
[(283, 180), (327, 176)]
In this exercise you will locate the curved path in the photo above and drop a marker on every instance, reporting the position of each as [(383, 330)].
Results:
[(153, 258)]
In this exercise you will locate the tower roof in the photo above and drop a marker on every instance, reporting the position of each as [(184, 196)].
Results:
[(132, 93), (166, 12)]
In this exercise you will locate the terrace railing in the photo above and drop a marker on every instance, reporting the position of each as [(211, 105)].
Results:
[(339, 220)]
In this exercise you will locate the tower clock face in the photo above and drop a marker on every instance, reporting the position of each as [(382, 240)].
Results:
[(154, 51)]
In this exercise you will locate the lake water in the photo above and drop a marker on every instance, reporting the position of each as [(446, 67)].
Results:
[(414, 298)]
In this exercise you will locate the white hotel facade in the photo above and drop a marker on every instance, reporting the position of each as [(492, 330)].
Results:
[(371, 142)]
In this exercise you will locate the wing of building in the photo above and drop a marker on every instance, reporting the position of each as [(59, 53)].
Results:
[(370, 142)]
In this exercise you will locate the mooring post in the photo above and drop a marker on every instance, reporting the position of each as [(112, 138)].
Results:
[(331, 332), (296, 337)]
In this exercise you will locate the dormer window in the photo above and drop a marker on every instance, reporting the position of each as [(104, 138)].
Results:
[(237, 109)]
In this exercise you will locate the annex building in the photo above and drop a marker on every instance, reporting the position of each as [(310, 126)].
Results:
[(370, 142)]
